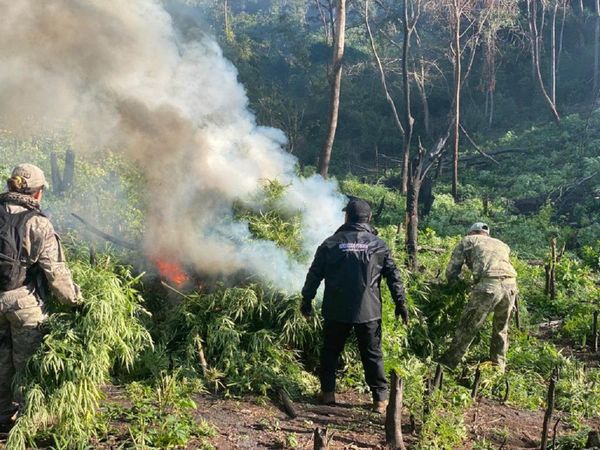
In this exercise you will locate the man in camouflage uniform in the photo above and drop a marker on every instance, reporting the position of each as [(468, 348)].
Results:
[(495, 290), (21, 313)]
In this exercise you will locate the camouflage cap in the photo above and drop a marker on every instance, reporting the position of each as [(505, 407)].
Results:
[(480, 226), (33, 176)]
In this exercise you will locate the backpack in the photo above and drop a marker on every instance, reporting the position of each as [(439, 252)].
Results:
[(13, 267)]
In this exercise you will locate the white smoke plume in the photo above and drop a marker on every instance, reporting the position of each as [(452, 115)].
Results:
[(114, 74)]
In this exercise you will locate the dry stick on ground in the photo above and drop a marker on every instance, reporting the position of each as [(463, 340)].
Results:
[(504, 441), (549, 409), (595, 332), (393, 418), (287, 403), (321, 439), (476, 382)]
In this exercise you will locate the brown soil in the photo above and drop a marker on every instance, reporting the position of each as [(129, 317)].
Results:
[(250, 424), (245, 425)]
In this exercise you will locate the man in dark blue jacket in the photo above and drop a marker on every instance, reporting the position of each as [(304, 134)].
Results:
[(352, 261)]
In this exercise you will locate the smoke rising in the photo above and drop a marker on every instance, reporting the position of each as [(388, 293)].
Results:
[(114, 74)]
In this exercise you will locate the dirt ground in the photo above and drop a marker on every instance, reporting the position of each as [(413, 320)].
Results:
[(248, 424), (245, 425)]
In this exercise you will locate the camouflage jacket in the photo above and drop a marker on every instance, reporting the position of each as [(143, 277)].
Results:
[(41, 246), (485, 256)]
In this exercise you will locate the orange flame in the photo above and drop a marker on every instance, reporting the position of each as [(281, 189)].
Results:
[(172, 272)]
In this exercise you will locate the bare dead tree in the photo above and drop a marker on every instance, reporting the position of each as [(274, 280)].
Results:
[(336, 84), (409, 24), (553, 53), (326, 23), (388, 96), (462, 40), (420, 77), (421, 165), (534, 40)]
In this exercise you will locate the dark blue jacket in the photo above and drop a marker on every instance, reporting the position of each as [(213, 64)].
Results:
[(352, 262)]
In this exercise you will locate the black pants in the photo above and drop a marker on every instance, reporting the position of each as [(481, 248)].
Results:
[(369, 345)]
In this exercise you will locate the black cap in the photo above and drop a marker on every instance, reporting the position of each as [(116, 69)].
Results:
[(358, 210)]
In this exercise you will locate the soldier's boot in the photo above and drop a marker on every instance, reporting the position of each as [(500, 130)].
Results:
[(379, 406), (326, 398)]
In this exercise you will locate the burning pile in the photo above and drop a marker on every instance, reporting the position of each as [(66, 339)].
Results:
[(118, 75), (172, 272)]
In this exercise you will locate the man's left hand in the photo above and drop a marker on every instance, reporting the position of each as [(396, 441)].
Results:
[(402, 312)]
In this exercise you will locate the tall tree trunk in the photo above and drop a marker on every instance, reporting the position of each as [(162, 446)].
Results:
[(412, 217), (336, 82), (226, 24), (420, 82), (553, 53), (409, 121), (535, 54), (457, 89), (562, 33), (580, 21), (491, 112), (597, 51)]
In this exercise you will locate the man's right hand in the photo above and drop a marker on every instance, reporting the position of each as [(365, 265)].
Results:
[(306, 309)]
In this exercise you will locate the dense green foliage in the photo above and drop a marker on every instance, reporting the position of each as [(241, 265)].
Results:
[(254, 340), (234, 338), (63, 381)]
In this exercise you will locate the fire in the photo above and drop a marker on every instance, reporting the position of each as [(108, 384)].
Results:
[(172, 271)]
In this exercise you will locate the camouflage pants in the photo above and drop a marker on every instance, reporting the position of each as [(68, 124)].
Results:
[(20, 336), (490, 294)]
